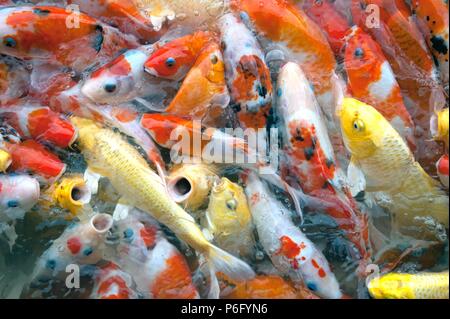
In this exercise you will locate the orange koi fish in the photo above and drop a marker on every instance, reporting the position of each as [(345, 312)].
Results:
[(204, 93), (124, 15), (41, 124), (111, 282), (174, 59), (30, 156), (432, 19), (442, 169), (247, 73), (14, 80), (311, 158), (289, 29), (371, 80), (28, 32)]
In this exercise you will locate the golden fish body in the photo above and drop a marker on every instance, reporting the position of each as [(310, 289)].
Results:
[(5, 160), (397, 182), (439, 126), (410, 286), (108, 154), (229, 219)]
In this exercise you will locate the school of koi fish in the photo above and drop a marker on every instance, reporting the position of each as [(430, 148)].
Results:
[(342, 193)]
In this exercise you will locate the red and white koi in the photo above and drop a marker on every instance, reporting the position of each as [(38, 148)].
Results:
[(111, 282), (442, 170), (311, 160), (18, 194), (40, 124), (291, 252), (372, 80), (28, 32), (247, 74)]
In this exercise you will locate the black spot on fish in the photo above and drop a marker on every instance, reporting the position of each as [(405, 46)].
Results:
[(262, 90), (298, 135), (439, 44), (236, 107), (428, 18), (309, 153), (329, 162), (326, 185), (41, 12), (98, 38)]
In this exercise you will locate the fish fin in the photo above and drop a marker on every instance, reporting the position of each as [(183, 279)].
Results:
[(121, 211), (214, 289), (209, 237), (148, 105), (9, 232), (92, 179), (356, 178), (229, 265), (209, 223), (377, 238)]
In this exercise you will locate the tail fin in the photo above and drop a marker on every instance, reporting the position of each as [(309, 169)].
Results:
[(232, 267)]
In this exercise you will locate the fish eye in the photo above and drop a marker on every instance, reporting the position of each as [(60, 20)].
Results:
[(110, 87), (170, 62), (318, 3), (9, 42), (231, 204), (359, 53), (358, 125), (214, 59)]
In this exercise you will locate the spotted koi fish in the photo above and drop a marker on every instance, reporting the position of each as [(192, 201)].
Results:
[(432, 19), (31, 157), (291, 252), (442, 169), (40, 124), (204, 93), (14, 79), (28, 32), (311, 157), (111, 282), (247, 74), (286, 28), (125, 15), (82, 243), (372, 80), (157, 267), (174, 59)]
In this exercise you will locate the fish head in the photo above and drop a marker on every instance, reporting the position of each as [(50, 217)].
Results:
[(211, 64), (18, 194), (228, 205), (11, 41), (362, 127), (72, 193)]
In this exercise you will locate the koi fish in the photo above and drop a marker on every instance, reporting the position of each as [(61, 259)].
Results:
[(410, 286), (109, 155), (439, 126), (28, 32), (40, 124), (247, 74), (442, 169), (228, 220), (291, 252), (30, 156), (124, 80), (432, 19), (18, 194), (111, 282), (125, 15), (371, 80), (14, 80), (391, 174), (173, 60), (311, 157), (82, 243), (203, 94), (285, 27), (157, 267), (5, 160)]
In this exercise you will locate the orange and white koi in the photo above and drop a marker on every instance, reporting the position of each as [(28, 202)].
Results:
[(311, 157), (174, 59), (82, 243), (285, 27), (18, 194), (125, 15), (432, 19), (442, 170), (247, 74), (28, 32), (40, 124), (204, 93), (14, 80), (332, 22), (372, 80), (291, 252), (157, 267), (124, 80), (111, 282), (31, 157)]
